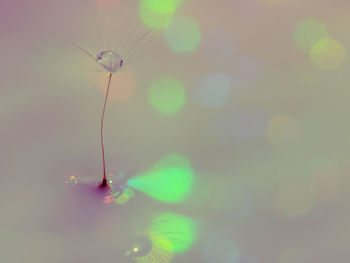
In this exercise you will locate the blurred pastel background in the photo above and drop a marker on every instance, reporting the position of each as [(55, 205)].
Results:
[(249, 98)]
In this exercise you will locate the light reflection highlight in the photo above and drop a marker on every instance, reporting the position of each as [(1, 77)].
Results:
[(170, 180), (214, 90), (294, 200), (308, 32), (283, 129), (167, 95), (158, 13), (183, 35), (328, 54)]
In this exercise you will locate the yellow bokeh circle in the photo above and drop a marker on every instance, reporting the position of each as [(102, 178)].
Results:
[(328, 54)]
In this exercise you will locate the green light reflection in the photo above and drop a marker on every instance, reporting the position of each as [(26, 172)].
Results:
[(179, 231), (170, 180)]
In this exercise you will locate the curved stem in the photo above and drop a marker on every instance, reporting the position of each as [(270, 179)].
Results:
[(104, 181)]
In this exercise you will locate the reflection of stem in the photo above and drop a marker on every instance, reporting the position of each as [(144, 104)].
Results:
[(104, 181)]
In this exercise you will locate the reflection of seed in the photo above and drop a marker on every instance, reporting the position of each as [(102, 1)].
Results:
[(176, 230), (168, 234), (151, 250)]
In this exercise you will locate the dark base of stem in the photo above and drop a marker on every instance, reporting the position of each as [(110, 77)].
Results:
[(104, 184)]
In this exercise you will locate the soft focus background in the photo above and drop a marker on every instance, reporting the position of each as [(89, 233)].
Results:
[(254, 93)]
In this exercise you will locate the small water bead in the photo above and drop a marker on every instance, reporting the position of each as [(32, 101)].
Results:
[(110, 61), (115, 179), (71, 179)]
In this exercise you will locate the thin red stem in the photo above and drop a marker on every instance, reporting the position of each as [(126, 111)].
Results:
[(104, 181)]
